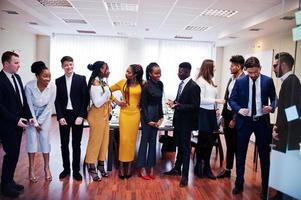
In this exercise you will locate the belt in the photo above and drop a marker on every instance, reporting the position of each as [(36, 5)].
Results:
[(255, 118)]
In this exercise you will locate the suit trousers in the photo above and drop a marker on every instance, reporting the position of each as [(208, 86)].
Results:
[(204, 148), (230, 138), (11, 141), (77, 131), (98, 119), (183, 141), (263, 137)]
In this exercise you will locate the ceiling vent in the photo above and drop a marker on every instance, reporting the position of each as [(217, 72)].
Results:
[(218, 13), (10, 12), (197, 28), (255, 29), (232, 37), (86, 31), (111, 6), (287, 18), (55, 3), (183, 37), (124, 24), (33, 23), (75, 21)]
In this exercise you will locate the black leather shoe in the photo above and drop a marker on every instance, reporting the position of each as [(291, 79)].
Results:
[(9, 191), (18, 187), (224, 174), (173, 172), (77, 176), (64, 174), (264, 194), (209, 175), (184, 181), (237, 189)]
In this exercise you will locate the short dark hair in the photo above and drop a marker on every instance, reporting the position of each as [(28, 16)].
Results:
[(238, 59), (185, 65), (6, 56), (66, 58), (38, 67), (252, 62), (285, 57)]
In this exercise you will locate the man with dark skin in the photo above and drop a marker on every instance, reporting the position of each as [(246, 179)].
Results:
[(185, 120)]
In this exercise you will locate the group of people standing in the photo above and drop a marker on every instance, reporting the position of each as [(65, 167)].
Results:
[(246, 110)]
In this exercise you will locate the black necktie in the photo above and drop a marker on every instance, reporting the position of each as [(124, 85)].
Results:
[(16, 89), (180, 89), (253, 99)]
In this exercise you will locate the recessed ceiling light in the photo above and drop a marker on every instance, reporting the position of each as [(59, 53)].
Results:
[(183, 37), (10, 12), (255, 29), (288, 18), (197, 28), (128, 24), (75, 21), (218, 13), (86, 31), (55, 3), (115, 6)]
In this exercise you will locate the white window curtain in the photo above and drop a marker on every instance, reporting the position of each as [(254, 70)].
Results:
[(119, 53)]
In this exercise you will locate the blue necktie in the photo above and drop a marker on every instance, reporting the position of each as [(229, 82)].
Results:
[(17, 89), (180, 89)]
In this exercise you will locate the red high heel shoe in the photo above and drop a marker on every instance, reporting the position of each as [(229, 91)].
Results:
[(141, 174)]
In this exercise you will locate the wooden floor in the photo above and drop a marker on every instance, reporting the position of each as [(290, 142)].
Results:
[(162, 187)]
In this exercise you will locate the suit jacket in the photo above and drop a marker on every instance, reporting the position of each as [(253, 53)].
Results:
[(186, 113), (10, 109), (289, 132), (240, 97), (226, 97), (78, 94)]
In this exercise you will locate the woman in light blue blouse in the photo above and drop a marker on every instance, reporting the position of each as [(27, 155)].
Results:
[(40, 94)]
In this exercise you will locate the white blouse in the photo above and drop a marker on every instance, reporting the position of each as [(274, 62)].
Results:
[(100, 96), (37, 99), (208, 94)]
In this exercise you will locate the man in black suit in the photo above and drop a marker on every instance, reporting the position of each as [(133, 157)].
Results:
[(14, 116), (71, 108), (229, 117), (250, 100), (287, 134), (185, 119)]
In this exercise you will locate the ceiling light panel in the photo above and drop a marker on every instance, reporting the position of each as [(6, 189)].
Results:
[(75, 21), (55, 3), (219, 13), (112, 6), (197, 28), (121, 23)]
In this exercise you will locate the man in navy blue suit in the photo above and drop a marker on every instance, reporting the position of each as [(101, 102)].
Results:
[(253, 98)]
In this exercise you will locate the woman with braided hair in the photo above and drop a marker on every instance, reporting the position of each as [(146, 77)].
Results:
[(98, 119), (129, 116)]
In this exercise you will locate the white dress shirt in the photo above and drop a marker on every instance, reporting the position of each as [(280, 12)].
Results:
[(258, 97), (68, 84), (99, 95), (284, 76), (230, 88), (9, 76), (208, 94)]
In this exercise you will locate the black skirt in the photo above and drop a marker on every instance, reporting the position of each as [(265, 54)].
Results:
[(207, 120)]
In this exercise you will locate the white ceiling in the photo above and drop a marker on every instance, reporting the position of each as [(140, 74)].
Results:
[(163, 19)]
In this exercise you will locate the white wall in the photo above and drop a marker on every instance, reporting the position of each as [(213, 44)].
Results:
[(43, 49), (24, 44)]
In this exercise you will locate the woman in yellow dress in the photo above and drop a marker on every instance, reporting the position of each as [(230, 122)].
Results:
[(129, 116)]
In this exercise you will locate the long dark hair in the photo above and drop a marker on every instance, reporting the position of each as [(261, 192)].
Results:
[(138, 71), (95, 68), (207, 71), (149, 70)]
